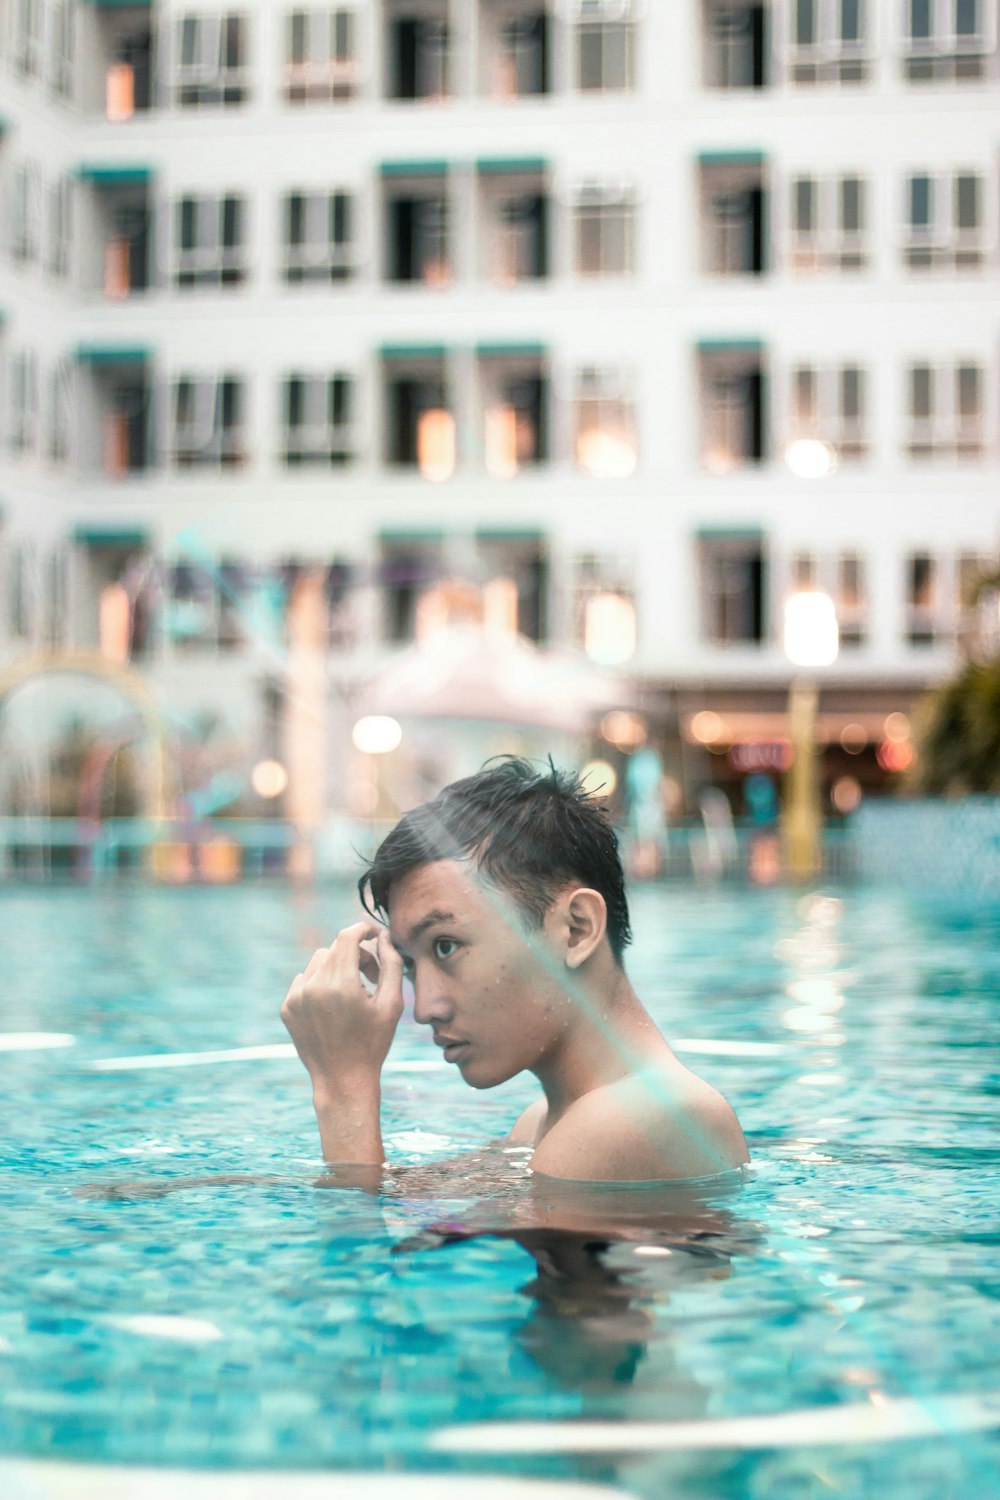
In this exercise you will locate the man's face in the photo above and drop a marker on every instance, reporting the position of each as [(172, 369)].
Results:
[(491, 990)]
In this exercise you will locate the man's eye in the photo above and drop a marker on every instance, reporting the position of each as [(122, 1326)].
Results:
[(444, 947)]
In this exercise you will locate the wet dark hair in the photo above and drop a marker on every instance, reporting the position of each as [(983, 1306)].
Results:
[(528, 832)]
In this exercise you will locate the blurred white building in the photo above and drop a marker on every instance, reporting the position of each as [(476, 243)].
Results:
[(609, 321)]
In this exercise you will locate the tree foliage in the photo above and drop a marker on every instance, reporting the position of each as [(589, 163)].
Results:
[(958, 724), (958, 733)]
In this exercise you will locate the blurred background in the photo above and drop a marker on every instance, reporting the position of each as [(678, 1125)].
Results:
[(388, 385)]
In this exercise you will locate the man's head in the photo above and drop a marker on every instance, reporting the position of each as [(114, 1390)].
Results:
[(528, 833)]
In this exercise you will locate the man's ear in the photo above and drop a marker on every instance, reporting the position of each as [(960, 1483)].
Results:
[(587, 922)]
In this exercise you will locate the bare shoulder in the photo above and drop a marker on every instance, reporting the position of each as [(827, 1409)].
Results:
[(528, 1124), (662, 1123)]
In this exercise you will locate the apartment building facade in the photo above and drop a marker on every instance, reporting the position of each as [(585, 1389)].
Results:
[(611, 322)]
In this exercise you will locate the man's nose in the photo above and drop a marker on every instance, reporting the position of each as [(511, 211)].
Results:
[(429, 1004)]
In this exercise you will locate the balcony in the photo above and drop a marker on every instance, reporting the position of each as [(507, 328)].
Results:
[(419, 428), (114, 438), (417, 218), (735, 45), (418, 51), (514, 404), (119, 40), (732, 400), (733, 200), (515, 49), (118, 203), (513, 217)]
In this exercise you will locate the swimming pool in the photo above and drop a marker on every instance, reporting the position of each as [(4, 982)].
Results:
[(827, 1326)]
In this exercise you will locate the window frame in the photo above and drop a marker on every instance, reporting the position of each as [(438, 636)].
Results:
[(603, 204), (210, 261), (209, 80), (224, 446), (321, 258), (827, 246), (324, 442), (827, 57), (327, 72)]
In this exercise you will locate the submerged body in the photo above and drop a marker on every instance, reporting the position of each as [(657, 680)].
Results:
[(507, 989)]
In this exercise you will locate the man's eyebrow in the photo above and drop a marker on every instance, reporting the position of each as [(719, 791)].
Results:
[(421, 927)]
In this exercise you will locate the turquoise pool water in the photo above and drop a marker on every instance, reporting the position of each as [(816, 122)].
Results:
[(272, 1323)]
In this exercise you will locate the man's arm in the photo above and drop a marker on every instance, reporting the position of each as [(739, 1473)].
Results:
[(342, 1032)]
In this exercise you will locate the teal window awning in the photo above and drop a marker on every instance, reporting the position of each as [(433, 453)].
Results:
[(513, 350), (120, 175), (730, 534), (403, 536), (490, 164), (421, 168), (731, 158), (89, 535), (730, 346), (413, 351), (509, 534), (120, 4), (112, 354)]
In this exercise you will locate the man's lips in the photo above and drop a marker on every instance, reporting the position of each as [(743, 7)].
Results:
[(450, 1045)]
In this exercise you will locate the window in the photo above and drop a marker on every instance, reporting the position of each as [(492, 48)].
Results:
[(851, 599), (420, 421), (605, 231), (944, 221), (733, 212), (732, 399), (418, 56), (27, 49), (734, 45), (59, 413), (827, 42), (60, 227), (828, 224), (25, 213), (209, 422), (923, 603), (417, 243), (321, 64), (828, 406), (521, 58), (605, 46), (22, 427), (605, 439), (514, 392), (945, 411), (948, 40), (520, 250), (318, 228), (316, 412), (20, 591), (211, 249), (408, 570), (733, 576), (212, 61), (63, 48)]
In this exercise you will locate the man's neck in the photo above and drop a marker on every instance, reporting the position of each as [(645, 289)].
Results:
[(611, 1038)]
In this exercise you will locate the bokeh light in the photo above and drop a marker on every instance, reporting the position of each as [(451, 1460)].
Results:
[(377, 734), (269, 778)]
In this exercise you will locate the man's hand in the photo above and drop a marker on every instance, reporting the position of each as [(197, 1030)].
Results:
[(342, 1031)]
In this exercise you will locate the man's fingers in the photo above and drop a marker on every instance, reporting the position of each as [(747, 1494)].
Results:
[(317, 961), (368, 961), (390, 985)]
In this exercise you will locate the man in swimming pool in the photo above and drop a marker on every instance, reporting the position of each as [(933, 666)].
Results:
[(505, 906)]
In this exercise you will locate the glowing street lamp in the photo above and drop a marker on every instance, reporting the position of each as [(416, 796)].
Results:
[(812, 639)]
